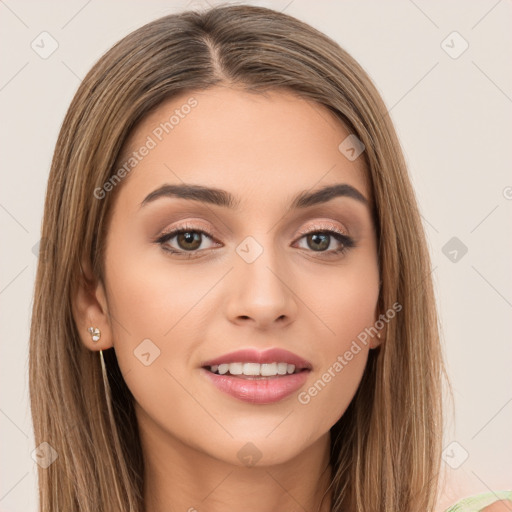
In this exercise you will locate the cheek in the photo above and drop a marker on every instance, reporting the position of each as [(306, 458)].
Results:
[(149, 300), (345, 314), (353, 314), (152, 319), (334, 383), (156, 315), (342, 303)]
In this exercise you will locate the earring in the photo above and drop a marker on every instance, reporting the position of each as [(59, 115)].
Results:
[(378, 335), (95, 333)]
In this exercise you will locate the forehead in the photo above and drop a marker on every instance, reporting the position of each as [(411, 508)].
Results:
[(271, 144)]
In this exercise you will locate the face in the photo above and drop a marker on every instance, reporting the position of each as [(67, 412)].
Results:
[(254, 269)]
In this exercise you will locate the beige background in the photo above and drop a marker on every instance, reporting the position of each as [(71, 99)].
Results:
[(453, 116)]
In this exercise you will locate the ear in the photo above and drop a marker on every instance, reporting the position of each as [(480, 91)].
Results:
[(90, 309)]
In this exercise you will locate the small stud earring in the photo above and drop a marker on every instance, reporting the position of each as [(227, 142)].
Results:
[(95, 333)]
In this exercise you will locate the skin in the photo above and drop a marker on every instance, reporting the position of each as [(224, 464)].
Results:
[(499, 506), (264, 149)]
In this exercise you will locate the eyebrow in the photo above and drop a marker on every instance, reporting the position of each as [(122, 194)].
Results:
[(219, 197)]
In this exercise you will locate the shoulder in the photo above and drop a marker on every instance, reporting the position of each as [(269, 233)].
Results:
[(499, 501)]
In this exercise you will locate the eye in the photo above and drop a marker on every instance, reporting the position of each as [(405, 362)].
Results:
[(320, 239), (189, 241)]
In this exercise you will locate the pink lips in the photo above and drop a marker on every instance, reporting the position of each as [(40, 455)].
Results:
[(260, 390), (277, 355)]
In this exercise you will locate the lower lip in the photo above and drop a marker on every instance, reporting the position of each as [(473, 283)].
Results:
[(258, 391)]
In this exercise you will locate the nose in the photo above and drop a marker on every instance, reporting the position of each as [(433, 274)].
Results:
[(261, 293)]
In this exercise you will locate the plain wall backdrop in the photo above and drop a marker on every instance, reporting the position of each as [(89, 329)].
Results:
[(443, 69)]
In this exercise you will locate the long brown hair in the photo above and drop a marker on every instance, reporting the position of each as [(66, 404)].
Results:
[(386, 448)]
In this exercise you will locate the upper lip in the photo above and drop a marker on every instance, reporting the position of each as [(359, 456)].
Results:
[(249, 355)]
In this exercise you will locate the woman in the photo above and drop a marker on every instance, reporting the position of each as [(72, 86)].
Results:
[(235, 308)]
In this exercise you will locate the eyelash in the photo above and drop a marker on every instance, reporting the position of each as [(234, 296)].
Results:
[(346, 241)]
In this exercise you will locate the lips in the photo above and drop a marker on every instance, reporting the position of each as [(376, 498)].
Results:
[(258, 389), (267, 390), (274, 355)]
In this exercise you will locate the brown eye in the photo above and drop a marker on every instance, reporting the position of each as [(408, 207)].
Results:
[(318, 241), (189, 240), (185, 240)]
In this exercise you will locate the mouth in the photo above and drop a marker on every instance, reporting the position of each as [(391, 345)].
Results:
[(258, 377), (254, 371)]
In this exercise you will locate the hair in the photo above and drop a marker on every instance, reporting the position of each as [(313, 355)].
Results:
[(386, 447)]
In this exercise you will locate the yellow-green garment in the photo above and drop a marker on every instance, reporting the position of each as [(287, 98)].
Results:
[(480, 501)]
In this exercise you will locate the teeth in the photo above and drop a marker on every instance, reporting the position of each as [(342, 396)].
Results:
[(268, 369), (254, 369), (236, 368), (223, 368), (281, 368), (251, 369)]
